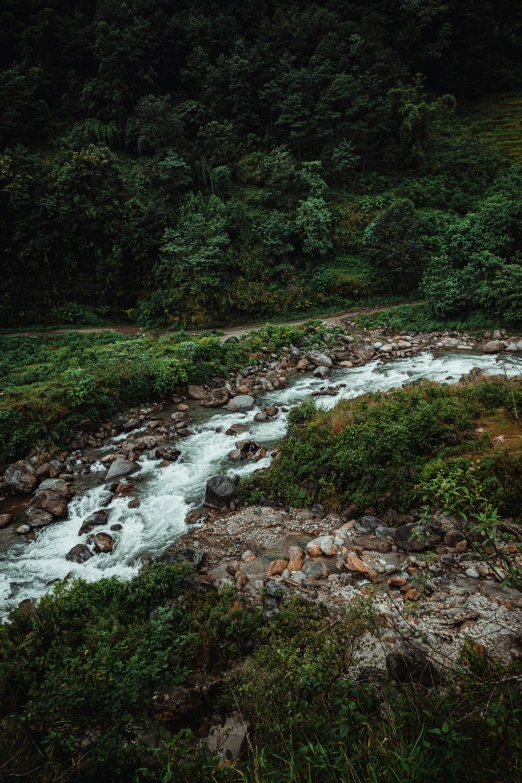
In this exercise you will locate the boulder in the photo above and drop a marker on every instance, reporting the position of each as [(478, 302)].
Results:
[(321, 372), (52, 501), (327, 545), (271, 410), (296, 558), (100, 517), (409, 664), (354, 563), (184, 554), (415, 537), (261, 416), (368, 524), (120, 468), (20, 478), (316, 570), (55, 468), (36, 518), (241, 403), (220, 490), (103, 542), (493, 346), (230, 740), (196, 392), (131, 424), (5, 519), (318, 359), (216, 398), (22, 530), (198, 585), (59, 485), (277, 567), (177, 706), (79, 554), (364, 351)]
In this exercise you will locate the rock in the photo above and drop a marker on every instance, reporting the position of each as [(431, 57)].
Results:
[(276, 567), (415, 538), (198, 585), (493, 346), (364, 351), (241, 580), (295, 558), (184, 554), (372, 543), (235, 455), (168, 455), (412, 594), (178, 706), (241, 403), (346, 364), (55, 468), (52, 501), (216, 398), (196, 392), (230, 740), (79, 554), (120, 468), (131, 424), (20, 478), (103, 542), (100, 517), (236, 429), (59, 485), (472, 573), (354, 563), (248, 556), (316, 570), (368, 524), (271, 411), (397, 581), (36, 518), (43, 471), (23, 529), (261, 416), (318, 359), (5, 520), (321, 372), (302, 364), (409, 664), (220, 490), (326, 544)]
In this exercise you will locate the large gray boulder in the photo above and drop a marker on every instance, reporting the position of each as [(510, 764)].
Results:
[(215, 399), (364, 350), (79, 554), (220, 490), (241, 403), (121, 468), (409, 664), (494, 346), (36, 518), (195, 557), (58, 485), (20, 478), (100, 517), (415, 537), (368, 524), (52, 501), (319, 359)]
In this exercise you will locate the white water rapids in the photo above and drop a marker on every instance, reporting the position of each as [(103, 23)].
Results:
[(167, 494)]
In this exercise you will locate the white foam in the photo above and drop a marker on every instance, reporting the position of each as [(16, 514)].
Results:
[(166, 494)]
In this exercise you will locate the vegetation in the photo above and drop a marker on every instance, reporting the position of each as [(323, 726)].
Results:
[(392, 442), (214, 162)]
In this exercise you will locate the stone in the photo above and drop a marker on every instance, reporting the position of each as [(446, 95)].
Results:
[(23, 529), (354, 563), (302, 364), (241, 403), (131, 424), (185, 554), (368, 524), (59, 485), (271, 410), (397, 581), (364, 351), (52, 501), (241, 580), (215, 399), (79, 554), (409, 664), (472, 573), (103, 542), (230, 740), (198, 585), (321, 372), (5, 520), (316, 569), (43, 471), (100, 517), (276, 567), (326, 545), (120, 468), (55, 468), (36, 518), (412, 595), (220, 490), (318, 359), (493, 346), (196, 392), (248, 556), (20, 478), (346, 364), (177, 706), (416, 538), (261, 416)]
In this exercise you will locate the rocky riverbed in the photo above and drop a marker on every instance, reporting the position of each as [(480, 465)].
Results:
[(126, 489)]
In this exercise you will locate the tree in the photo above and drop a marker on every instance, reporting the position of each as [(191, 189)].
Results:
[(345, 159)]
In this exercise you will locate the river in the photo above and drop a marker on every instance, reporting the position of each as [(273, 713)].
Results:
[(27, 570)]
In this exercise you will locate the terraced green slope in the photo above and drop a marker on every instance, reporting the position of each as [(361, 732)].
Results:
[(500, 121)]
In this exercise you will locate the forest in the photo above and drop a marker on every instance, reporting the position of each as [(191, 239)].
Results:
[(199, 162)]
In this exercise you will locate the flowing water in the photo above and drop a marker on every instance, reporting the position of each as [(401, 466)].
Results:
[(167, 494)]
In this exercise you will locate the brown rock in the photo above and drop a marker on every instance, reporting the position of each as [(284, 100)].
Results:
[(20, 478), (277, 567), (134, 503), (354, 563), (314, 550), (450, 539), (182, 407), (494, 346), (271, 410), (52, 501), (461, 546), (241, 579), (243, 389), (372, 544), (5, 519), (412, 594), (196, 392), (303, 364), (248, 556), (479, 649), (103, 542), (216, 399), (396, 581)]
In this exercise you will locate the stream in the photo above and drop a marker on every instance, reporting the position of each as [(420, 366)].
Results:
[(27, 570)]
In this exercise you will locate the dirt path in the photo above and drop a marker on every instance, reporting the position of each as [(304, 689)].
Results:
[(228, 331)]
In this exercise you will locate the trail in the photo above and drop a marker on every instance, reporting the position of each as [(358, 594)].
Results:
[(228, 331)]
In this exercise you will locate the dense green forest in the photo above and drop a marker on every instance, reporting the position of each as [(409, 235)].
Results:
[(201, 160)]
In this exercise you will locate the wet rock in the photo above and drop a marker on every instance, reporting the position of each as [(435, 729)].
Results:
[(100, 517), (368, 524), (131, 424), (178, 706), (236, 429), (55, 468), (493, 346), (220, 490), (22, 530), (42, 472), (261, 416), (169, 455), (195, 557), (276, 567), (52, 501), (79, 554), (321, 372), (36, 518), (318, 359), (364, 351), (59, 485), (409, 664), (358, 566), (416, 538), (196, 392), (271, 411), (20, 478), (103, 542), (241, 403), (230, 740), (121, 468), (216, 398), (5, 520)]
